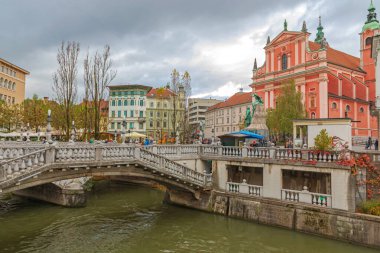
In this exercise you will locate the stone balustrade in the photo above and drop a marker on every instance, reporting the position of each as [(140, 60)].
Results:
[(23, 164), (319, 199), (244, 188)]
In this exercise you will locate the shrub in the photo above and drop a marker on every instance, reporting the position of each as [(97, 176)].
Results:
[(371, 207)]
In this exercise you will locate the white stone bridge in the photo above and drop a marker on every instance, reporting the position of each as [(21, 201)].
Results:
[(195, 169), (26, 165)]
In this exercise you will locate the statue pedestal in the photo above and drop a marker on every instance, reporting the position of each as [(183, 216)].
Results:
[(258, 124)]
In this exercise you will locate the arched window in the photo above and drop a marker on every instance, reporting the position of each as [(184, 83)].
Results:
[(368, 41), (125, 102), (361, 109), (14, 86), (284, 61), (1, 82), (313, 115), (348, 108), (333, 105)]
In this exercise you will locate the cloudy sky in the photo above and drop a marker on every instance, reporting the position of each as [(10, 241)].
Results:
[(215, 40)]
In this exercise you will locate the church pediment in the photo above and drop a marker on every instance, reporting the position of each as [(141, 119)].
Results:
[(283, 36)]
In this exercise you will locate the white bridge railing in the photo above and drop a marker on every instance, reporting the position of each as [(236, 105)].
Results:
[(28, 161), (318, 199), (253, 190)]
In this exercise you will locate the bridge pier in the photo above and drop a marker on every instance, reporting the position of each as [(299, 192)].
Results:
[(199, 200), (70, 195)]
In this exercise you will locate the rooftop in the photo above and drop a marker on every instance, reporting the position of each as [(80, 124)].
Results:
[(14, 66), (130, 86), (238, 98)]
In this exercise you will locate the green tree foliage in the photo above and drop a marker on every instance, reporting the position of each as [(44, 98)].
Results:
[(34, 112), (288, 107), (323, 141)]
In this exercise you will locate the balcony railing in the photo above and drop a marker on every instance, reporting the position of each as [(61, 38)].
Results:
[(244, 188), (319, 199)]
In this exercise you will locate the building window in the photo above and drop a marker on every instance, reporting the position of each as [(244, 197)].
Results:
[(151, 104), (113, 103), (125, 102), (132, 102), (348, 108), (125, 114), (165, 105), (130, 125), (164, 124), (131, 114), (313, 115), (368, 41), (141, 114), (284, 62), (333, 105), (165, 114), (112, 125), (119, 103), (141, 126), (118, 125), (141, 102), (119, 114), (158, 104), (158, 114), (361, 109), (312, 102), (151, 114), (158, 124), (151, 123), (113, 114)]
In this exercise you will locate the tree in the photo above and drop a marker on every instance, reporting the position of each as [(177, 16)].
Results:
[(65, 80), (98, 74), (11, 116), (289, 106), (175, 86), (323, 142), (34, 112)]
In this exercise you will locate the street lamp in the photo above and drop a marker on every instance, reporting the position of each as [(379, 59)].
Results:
[(48, 128), (115, 136), (124, 124), (72, 138), (27, 132)]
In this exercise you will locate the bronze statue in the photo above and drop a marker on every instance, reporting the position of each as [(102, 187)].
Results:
[(248, 114)]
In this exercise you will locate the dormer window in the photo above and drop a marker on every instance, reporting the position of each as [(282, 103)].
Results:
[(284, 62)]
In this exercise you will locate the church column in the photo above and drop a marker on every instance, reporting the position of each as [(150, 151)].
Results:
[(303, 92), (266, 100), (303, 52), (296, 53), (271, 99), (323, 97), (272, 61)]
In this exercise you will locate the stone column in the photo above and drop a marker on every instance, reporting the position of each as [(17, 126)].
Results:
[(272, 181), (323, 98)]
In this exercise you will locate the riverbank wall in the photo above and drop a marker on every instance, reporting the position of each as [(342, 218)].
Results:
[(326, 222)]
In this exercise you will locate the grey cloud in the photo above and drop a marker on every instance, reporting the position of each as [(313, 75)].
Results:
[(149, 38)]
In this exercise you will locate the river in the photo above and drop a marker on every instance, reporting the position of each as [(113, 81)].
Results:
[(127, 218)]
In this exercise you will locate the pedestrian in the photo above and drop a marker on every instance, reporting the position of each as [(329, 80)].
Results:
[(369, 143), (376, 144)]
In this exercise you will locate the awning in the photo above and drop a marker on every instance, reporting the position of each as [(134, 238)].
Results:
[(244, 134)]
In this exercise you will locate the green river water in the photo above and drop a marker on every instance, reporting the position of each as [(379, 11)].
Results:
[(126, 218)]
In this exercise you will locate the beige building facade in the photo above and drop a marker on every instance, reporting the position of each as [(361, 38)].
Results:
[(227, 116), (12, 82), (197, 109)]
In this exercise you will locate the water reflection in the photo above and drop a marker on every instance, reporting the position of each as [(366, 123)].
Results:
[(124, 218)]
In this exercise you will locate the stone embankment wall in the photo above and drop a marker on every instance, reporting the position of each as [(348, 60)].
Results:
[(54, 194), (331, 223)]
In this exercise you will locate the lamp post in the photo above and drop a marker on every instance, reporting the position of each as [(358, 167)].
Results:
[(213, 136), (27, 132), (115, 136), (38, 134), (48, 128), (123, 131), (72, 139)]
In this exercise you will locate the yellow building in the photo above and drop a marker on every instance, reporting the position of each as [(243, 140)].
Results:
[(12, 82)]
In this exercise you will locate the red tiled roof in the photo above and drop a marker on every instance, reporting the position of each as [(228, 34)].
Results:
[(338, 57), (237, 99), (160, 92)]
